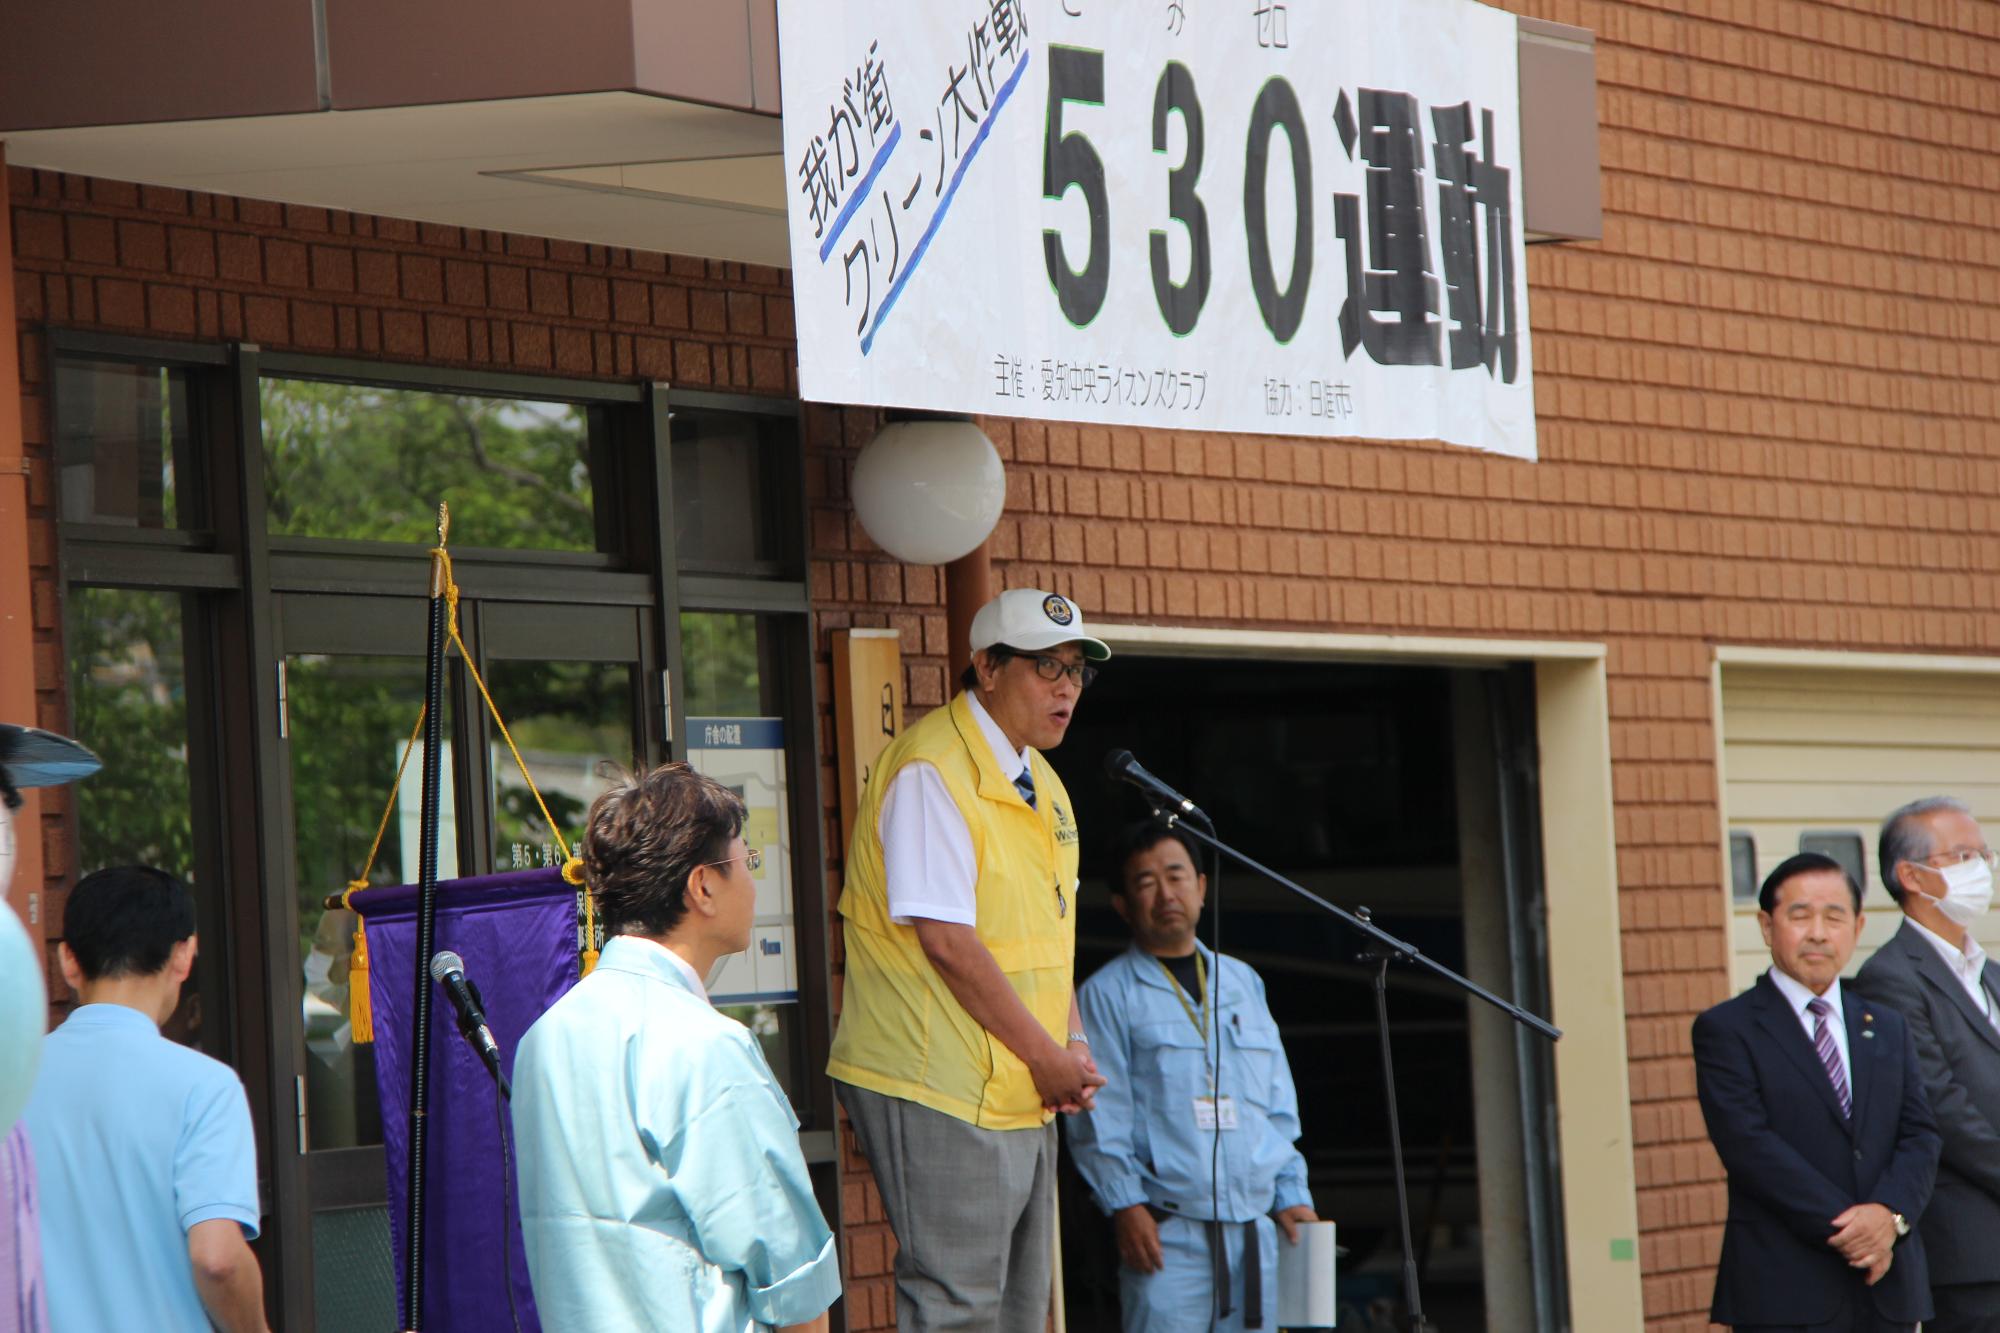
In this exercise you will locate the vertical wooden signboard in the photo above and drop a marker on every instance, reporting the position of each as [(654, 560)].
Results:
[(867, 708)]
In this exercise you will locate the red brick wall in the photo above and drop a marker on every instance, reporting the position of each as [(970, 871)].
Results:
[(27, 612), (109, 255), (1767, 413)]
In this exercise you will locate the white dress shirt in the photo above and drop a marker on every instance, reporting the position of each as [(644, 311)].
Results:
[(1797, 996), (926, 845), (1966, 964)]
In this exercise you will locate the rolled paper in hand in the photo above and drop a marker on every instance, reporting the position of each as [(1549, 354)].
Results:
[(1305, 1277)]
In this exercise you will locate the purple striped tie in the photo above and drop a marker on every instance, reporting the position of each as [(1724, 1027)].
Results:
[(1829, 1054)]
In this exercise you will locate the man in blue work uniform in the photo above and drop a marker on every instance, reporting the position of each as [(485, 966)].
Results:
[(1194, 1161)]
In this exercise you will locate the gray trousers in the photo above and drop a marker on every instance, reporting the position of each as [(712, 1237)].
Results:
[(973, 1211)]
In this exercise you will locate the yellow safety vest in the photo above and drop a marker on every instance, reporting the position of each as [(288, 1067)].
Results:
[(902, 1032)]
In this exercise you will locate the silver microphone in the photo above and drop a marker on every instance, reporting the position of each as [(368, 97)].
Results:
[(448, 970)]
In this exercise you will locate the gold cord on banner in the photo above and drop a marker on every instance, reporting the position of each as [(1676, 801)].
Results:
[(360, 1010), (572, 864)]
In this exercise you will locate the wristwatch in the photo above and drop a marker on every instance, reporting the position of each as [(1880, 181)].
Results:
[(1902, 1225)]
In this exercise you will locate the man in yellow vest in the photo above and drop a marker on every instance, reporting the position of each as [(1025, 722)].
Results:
[(959, 1035)]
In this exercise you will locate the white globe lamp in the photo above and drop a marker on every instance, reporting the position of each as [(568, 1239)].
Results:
[(929, 491)]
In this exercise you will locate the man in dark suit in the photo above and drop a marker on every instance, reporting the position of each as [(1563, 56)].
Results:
[(1937, 866), (1815, 1105)]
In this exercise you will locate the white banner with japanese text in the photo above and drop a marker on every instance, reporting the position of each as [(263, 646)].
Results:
[(1235, 215)]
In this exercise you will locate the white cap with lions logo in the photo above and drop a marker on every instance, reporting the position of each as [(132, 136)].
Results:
[(1031, 620)]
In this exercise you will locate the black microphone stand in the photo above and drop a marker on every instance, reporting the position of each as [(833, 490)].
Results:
[(1383, 949)]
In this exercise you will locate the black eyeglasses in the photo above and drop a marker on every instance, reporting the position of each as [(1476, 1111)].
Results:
[(1054, 668)]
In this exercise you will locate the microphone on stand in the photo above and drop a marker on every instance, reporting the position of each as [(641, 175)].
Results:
[(1120, 764), (448, 970)]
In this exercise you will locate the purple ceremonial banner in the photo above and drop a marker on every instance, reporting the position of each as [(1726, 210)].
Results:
[(517, 934)]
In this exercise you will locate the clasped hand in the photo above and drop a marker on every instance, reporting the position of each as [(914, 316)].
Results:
[(1865, 1235), (1068, 1079)]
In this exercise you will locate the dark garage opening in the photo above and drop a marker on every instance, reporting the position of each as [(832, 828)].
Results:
[(1408, 789)]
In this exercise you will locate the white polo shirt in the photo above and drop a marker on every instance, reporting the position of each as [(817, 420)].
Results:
[(927, 855)]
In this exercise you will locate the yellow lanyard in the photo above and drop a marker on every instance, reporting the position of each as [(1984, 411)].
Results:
[(1201, 976)]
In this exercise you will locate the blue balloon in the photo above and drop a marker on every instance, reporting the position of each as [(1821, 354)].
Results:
[(24, 1015)]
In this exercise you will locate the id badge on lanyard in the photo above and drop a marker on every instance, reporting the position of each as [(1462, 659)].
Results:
[(1213, 1113)]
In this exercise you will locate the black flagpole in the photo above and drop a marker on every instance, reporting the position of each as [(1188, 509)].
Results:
[(427, 863)]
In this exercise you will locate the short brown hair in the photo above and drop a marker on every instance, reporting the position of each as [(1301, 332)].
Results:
[(645, 836)]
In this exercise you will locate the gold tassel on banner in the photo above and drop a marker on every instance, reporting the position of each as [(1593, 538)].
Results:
[(360, 1008)]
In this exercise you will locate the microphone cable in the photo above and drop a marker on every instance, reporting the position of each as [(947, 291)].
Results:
[(506, 1206)]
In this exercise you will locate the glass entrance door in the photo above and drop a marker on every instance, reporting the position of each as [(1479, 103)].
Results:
[(570, 683)]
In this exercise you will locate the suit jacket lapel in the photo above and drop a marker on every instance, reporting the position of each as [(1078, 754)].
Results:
[(1989, 977), (1861, 1056), (1933, 970), (1778, 1018)]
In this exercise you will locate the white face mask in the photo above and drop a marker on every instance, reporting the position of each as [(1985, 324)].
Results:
[(1968, 891)]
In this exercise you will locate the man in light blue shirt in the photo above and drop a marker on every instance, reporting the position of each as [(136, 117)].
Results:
[(662, 1187), (1194, 1161), (147, 1161)]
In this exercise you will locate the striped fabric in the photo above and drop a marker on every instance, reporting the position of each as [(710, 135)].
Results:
[(23, 1298), (1024, 782), (1829, 1054)]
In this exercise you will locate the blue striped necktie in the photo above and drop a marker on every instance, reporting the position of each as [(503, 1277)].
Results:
[(1024, 782), (1829, 1054)]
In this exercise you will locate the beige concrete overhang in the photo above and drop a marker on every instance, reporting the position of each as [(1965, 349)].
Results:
[(121, 62), (609, 168), (651, 124), (642, 123)]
